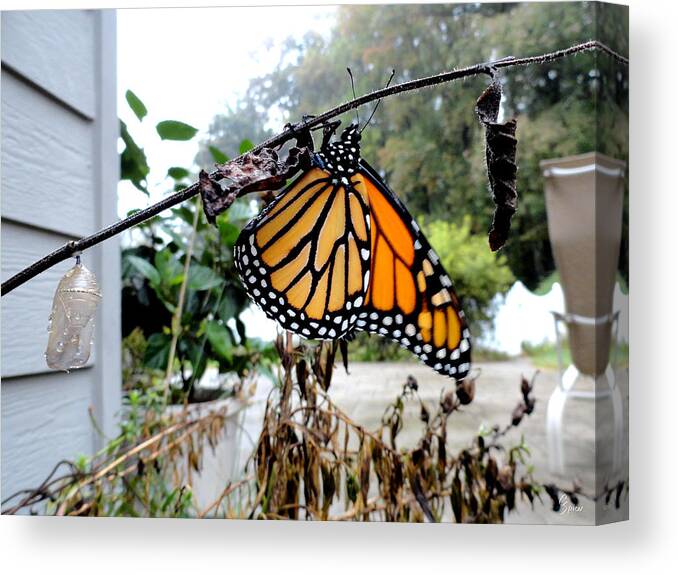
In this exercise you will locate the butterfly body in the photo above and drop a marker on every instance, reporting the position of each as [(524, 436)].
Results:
[(337, 252)]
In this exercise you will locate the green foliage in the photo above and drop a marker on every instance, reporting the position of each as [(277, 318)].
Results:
[(133, 164), (146, 269), (209, 331), (178, 173), (174, 130), (478, 274), (136, 105), (545, 355), (217, 155), (546, 284), (245, 146)]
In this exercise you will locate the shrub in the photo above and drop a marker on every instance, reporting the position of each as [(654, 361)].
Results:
[(477, 273)]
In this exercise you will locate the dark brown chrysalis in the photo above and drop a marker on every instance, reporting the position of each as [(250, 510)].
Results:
[(500, 154)]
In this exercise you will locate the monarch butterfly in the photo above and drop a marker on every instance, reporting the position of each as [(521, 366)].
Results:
[(338, 252)]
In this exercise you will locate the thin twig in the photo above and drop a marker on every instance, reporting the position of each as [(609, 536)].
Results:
[(230, 488), (487, 68), (176, 317)]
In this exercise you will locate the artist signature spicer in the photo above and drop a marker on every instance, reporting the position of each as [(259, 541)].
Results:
[(566, 506)]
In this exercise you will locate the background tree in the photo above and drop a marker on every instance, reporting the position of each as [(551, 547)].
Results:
[(428, 143)]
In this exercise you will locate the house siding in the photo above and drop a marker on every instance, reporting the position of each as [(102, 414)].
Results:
[(59, 177)]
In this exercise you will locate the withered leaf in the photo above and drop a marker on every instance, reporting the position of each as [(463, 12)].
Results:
[(424, 414), (411, 383), (466, 390), (553, 492), (255, 171), (343, 347), (457, 500), (421, 499), (447, 403), (517, 415), (302, 374), (491, 473), (618, 494)]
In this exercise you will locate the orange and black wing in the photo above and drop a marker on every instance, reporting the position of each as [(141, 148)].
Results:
[(305, 258), (410, 298)]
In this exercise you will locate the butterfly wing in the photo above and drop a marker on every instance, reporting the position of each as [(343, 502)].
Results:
[(410, 298), (305, 258)]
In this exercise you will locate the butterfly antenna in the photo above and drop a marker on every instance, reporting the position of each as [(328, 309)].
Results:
[(350, 75), (378, 102)]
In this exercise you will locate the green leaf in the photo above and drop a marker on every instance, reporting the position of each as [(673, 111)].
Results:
[(202, 278), (220, 340), (174, 130), (133, 164), (185, 214), (198, 358), (177, 238), (169, 268), (227, 308), (227, 231), (245, 146), (157, 351), (136, 104), (145, 268), (217, 155), (178, 173)]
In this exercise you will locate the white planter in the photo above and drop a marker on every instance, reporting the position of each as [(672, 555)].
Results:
[(220, 466)]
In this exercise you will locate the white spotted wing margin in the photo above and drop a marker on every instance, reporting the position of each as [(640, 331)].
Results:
[(449, 356)]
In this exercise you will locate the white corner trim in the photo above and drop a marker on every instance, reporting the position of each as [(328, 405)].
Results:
[(563, 172)]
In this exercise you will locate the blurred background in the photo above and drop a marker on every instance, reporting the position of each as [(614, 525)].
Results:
[(428, 144)]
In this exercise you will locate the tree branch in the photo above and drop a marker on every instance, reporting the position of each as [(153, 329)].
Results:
[(487, 68)]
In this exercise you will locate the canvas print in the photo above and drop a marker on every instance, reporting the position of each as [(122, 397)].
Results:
[(347, 263)]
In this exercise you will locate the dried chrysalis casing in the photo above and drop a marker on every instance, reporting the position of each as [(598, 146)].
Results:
[(71, 323), (500, 154)]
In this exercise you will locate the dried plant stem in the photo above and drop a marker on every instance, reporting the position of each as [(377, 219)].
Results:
[(230, 488), (176, 317), (287, 379), (339, 414), (188, 427), (485, 68)]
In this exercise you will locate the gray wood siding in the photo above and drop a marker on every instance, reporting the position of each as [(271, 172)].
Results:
[(44, 420), (57, 51), (59, 178), (42, 136)]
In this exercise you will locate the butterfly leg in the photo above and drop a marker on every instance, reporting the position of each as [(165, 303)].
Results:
[(491, 67), (329, 130), (301, 133)]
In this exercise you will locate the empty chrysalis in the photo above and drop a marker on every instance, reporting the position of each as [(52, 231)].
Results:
[(71, 323)]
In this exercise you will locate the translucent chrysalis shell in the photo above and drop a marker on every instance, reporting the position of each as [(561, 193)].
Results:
[(71, 323)]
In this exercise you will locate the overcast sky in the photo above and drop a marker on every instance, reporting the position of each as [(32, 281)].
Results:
[(187, 64)]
